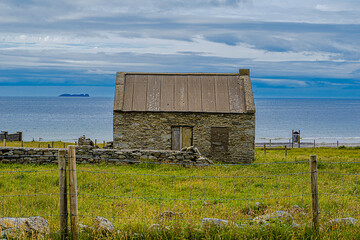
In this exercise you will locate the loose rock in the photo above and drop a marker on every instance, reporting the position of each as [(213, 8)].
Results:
[(343, 221), (32, 226), (206, 222), (266, 219), (103, 225), (37, 225)]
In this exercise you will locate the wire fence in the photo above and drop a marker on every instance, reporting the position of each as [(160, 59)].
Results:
[(176, 194)]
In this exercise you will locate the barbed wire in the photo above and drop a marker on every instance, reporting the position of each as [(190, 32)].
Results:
[(336, 173)]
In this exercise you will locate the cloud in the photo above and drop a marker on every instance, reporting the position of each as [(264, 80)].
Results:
[(73, 42), (281, 82)]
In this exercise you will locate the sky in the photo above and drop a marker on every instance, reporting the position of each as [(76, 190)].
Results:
[(297, 49)]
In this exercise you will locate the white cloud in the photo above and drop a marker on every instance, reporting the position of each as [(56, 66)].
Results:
[(281, 82)]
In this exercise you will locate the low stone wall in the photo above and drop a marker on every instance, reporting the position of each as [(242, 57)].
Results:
[(87, 154)]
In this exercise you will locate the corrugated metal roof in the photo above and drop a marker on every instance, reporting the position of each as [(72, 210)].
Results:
[(172, 92)]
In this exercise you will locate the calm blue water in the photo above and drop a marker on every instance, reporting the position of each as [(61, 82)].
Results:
[(53, 118), (325, 120)]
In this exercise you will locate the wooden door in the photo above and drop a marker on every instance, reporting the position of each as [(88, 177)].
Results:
[(186, 137), (181, 137), (175, 138)]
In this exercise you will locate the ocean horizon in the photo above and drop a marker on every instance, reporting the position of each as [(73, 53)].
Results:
[(54, 118)]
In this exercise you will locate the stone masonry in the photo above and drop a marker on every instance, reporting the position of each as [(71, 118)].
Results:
[(88, 154), (152, 130)]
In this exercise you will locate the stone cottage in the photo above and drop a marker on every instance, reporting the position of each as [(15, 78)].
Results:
[(214, 112)]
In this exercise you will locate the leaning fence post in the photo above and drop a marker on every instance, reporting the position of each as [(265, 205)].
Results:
[(314, 192), (285, 151), (73, 194), (63, 193), (264, 149)]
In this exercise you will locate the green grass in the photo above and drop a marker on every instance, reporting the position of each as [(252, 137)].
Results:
[(133, 196)]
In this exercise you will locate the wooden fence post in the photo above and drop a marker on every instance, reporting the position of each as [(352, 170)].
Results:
[(63, 194), (285, 151), (73, 194), (314, 143), (265, 149), (314, 192), (337, 144), (52, 144), (4, 142), (269, 142), (22, 143)]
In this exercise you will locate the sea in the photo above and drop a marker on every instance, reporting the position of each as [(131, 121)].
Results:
[(66, 119)]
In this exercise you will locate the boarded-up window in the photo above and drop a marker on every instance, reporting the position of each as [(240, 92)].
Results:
[(219, 139), (181, 136)]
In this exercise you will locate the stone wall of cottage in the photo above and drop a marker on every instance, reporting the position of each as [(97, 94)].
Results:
[(151, 130), (87, 154)]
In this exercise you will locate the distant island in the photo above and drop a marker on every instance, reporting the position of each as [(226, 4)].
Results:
[(74, 95)]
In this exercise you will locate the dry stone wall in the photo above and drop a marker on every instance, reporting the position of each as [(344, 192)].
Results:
[(88, 154), (152, 130)]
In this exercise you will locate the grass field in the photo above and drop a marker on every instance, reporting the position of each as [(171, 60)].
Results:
[(134, 196)]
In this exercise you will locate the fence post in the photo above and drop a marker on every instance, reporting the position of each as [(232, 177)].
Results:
[(264, 149), (337, 144), (22, 143), (52, 144), (314, 143), (269, 142), (285, 151), (4, 142), (63, 194), (73, 194), (314, 192)]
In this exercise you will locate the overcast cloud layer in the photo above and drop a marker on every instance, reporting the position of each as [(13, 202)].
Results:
[(307, 49)]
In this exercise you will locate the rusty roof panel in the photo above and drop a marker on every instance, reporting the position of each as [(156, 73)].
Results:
[(153, 93), (129, 92), (140, 92), (167, 96), (194, 94), (181, 92), (208, 93), (235, 99), (222, 93)]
